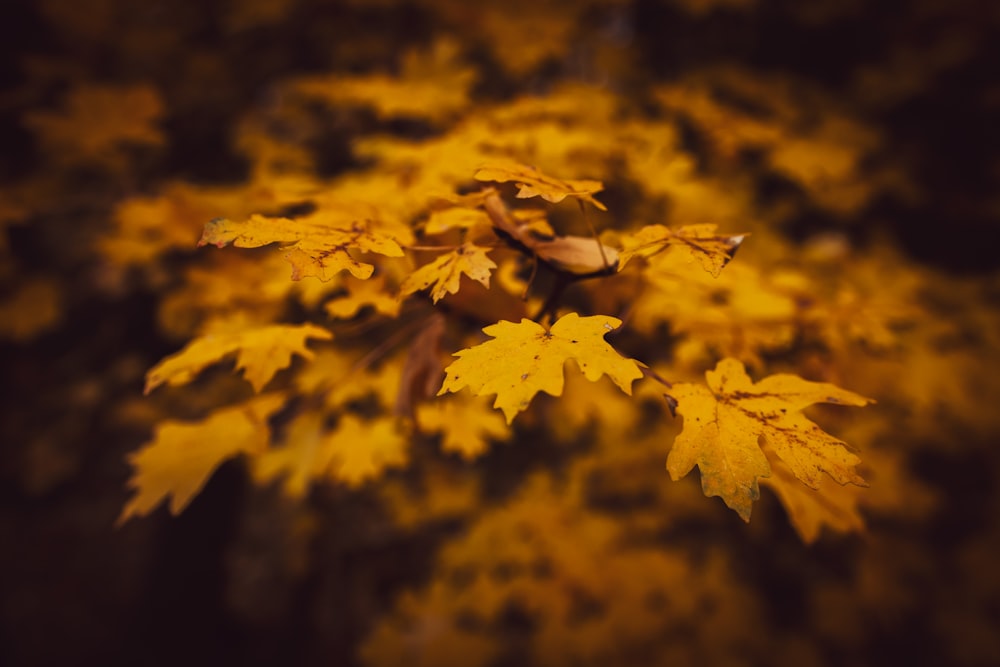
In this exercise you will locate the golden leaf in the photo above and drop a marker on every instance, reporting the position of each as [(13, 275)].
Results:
[(261, 352), (446, 271), (533, 183), (316, 247), (701, 242), (183, 455), (363, 293), (723, 423), (523, 359), (354, 452), (809, 509), (466, 424)]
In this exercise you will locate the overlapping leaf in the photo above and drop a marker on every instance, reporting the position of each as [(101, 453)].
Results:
[(724, 421), (316, 246), (261, 352), (533, 183), (354, 452), (524, 358), (701, 242)]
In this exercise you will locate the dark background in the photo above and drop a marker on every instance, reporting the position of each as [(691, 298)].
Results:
[(159, 590)]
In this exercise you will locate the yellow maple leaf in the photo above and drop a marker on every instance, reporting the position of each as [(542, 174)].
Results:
[(466, 424), (533, 183), (316, 246), (446, 271), (354, 452), (700, 241), (183, 455), (261, 352), (456, 217), (723, 423), (363, 293), (809, 509), (523, 359)]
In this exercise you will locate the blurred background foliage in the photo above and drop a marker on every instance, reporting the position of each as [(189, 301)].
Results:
[(856, 141)]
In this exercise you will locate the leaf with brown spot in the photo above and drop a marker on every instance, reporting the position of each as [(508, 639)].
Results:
[(724, 422)]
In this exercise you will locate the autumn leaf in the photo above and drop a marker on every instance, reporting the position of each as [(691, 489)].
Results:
[(315, 247), (353, 452), (363, 293), (466, 425), (456, 217), (724, 422), (261, 352), (183, 455), (533, 183), (701, 242), (446, 271), (523, 359), (809, 509)]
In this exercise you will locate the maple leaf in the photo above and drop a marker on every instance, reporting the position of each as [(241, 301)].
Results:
[(363, 293), (533, 183), (315, 247), (183, 455), (809, 509), (354, 452), (523, 359), (466, 424), (261, 352), (724, 422), (446, 271), (456, 217), (713, 250)]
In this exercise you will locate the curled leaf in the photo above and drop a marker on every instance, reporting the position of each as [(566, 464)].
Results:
[(533, 183)]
